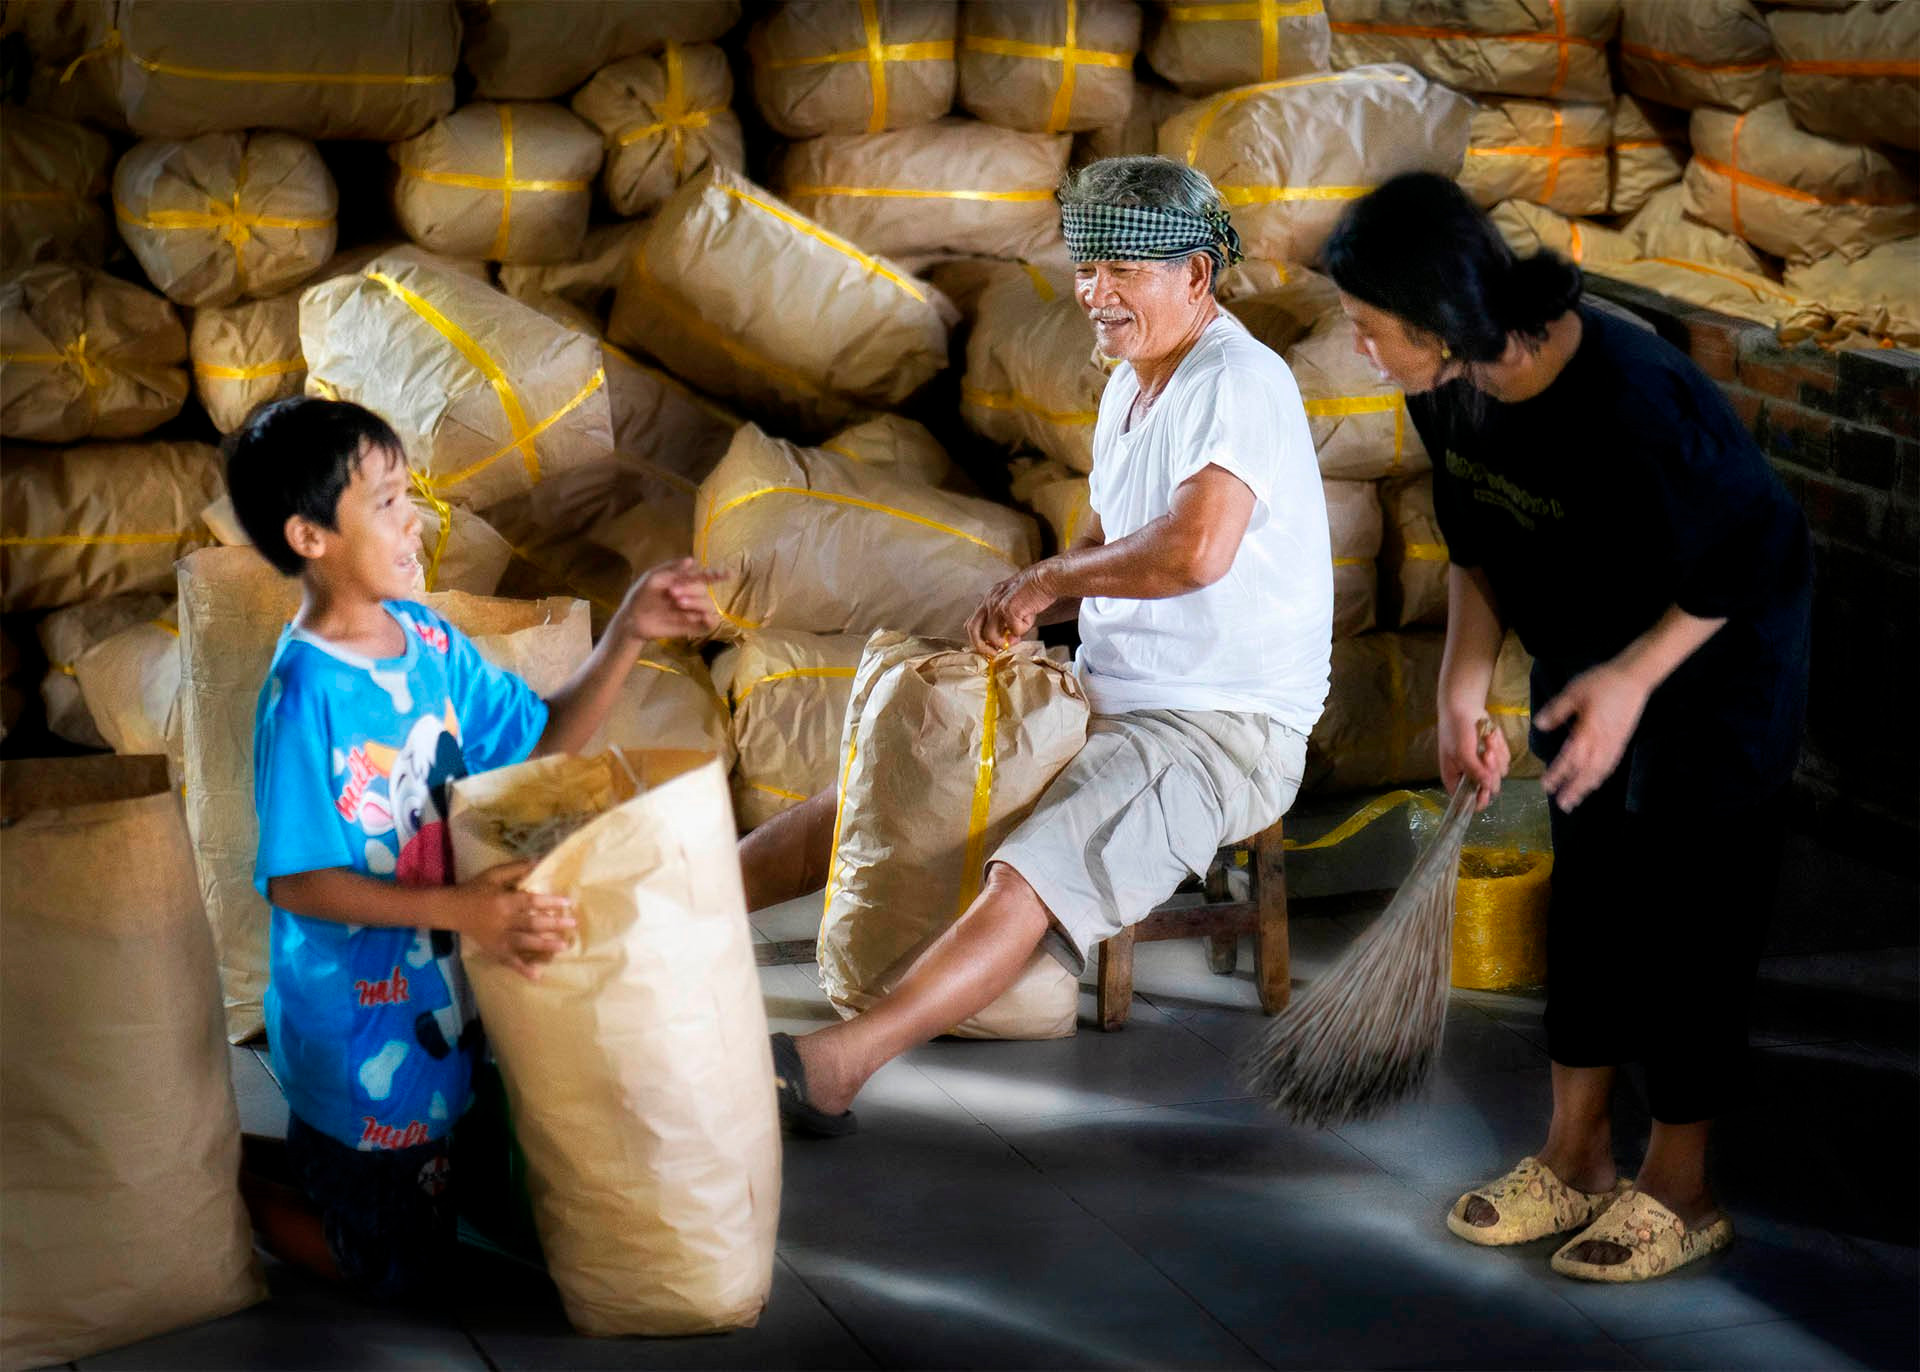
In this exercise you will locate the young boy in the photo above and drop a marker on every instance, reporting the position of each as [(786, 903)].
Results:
[(373, 704)]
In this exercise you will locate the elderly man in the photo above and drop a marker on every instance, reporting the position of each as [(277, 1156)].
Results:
[(1203, 586)]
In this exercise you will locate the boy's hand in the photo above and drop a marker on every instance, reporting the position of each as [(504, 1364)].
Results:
[(670, 601), (520, 928)]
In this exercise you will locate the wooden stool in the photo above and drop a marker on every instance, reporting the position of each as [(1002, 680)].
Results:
[(1220, 921)]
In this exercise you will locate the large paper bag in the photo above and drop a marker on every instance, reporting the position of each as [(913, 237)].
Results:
[(637, 1066), (944, 752), (787, 695), (52, 175), (131, 684), (86, 355), (120, 1212), (68, 633)]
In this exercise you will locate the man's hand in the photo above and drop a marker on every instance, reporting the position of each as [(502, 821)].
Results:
[(1461, 755), (1009, 611), (520, 928), (1604, 704), (670, 601)]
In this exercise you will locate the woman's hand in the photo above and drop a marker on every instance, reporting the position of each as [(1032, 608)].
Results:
[(1462, 755), (1603, 705), (1009, 611), (670, 601)]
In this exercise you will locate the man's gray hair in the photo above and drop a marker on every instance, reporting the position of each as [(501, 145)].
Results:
[(1141, 183)]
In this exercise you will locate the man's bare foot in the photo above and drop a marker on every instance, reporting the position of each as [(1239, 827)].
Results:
[(827, 1087)]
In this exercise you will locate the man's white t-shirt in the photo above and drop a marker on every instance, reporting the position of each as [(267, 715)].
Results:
[(1259, 639)]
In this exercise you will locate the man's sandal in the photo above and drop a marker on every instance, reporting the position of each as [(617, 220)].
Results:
[(797, 1112), (1530, 1203), (1655, 1239)]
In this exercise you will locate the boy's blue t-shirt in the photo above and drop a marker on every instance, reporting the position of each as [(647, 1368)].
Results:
[(372, 1029)]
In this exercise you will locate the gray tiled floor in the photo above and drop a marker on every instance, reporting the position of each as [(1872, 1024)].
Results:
[(1117, 1200)]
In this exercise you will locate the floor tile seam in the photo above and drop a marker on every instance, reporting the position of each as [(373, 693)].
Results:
[(1021, 1121), (827, 1306), (945, 1094), (1882, 1264), (1796, 1320), (479, 1349)]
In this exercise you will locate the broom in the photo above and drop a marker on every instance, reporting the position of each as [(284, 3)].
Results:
[(1364, 1036)]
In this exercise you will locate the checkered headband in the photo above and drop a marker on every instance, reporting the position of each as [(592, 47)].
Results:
[(1138, 233)]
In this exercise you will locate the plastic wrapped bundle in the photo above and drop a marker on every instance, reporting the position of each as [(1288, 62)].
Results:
[(488, 396), (588, 281), (1873, 299), (1286, 312), (1032, 378), (1353, 521), (1649, 148), (86, 355), (64, 636), (1663, 229), (1503, 47), (246, 355), (953, 186), (507, 182), (1203, 47), (668, 701), (1138, 135), (663, 118), (52, 175), (1413, 555), (131, 685), (975, 742), (1725, 290), (346, 69), (1851, 74), (787, 694), (226, 215), (459, 551), (826, 66), (900, 446), (1553, 155), (1795, 194), (739, 295), (1528, 228), (1055, 66), (1289, 156), (97, 520), (1361, 431), (1704, 52), (817, 543), (534, 50), (1379, 727)]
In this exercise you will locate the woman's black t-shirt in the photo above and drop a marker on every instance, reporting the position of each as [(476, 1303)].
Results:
[(1626, 487)]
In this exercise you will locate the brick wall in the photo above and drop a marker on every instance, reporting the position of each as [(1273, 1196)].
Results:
[(1843, 431)]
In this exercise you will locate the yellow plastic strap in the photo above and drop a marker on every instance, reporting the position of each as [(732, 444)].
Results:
[(1069, 54), (1219, 103), (1361, 818), (776, 791), (1041, 286), (1266, 13), (975, 856), (1003, 400), (88, 540), (1275, 195), (506, 182), (657, 666), (830, 673), (834, 241), (490, 183), (836, 499), (74, 355), (840, 816), (162, 624), (64, 668), (1353, 562), (1576, 246), (915, 193), (707, 333), (1752, 283), (1341, 406), (676, 98), (1426, 552), (114, 42), (286, 366), (444, 512), (230, 219), (1509, 711)]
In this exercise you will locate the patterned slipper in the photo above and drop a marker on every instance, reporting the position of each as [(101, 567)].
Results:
[(1530, 1203), (1657, 1241)]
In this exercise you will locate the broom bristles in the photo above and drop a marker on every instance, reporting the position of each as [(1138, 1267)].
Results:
[(1365, 1035)]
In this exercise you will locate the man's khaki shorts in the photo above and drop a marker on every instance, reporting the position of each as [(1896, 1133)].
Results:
[(1148, 801)]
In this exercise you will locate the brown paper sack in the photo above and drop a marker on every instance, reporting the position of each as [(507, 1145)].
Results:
[(1851, 75), (1529, 228), (1379, 724), (971, 745), (1726, 290), (787, 696), (1555, 155), (565, 565), (226, 215), (534, 50), (840, 68), (1257, 276), (964, 280), (1058, 66), (663, 118), (1509, 705), (55, 30), (1289, 156), (80, 523), (1203, 47), (122, 1215), (747, 300), (1138, 135), (1705, 52), (64, 636), (1649, 149), (507, 182), (345, 69), (1353, 523), (953, 186), (1792, 193), (52, 176), (1064, 506), (1361, 430), (637, 1066), (1032, 378), (353, 261), (900, 446), (1874, 298), (246, 355), (1284, 314), (646, 535), (668, 701), (86, 355), (1413, 555), (1503, 47), (87, 93), (589, 280), (459, 551), (817, 543), (131, 684), (488, 396), (1663, 229)]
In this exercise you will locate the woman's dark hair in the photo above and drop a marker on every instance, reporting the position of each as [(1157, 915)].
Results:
[(295, 457), (1419, 249)]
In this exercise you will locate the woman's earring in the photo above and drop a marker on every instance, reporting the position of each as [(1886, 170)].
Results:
[(1446, 353)]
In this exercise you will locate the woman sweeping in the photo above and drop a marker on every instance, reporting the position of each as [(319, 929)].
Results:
[(1599, 496)]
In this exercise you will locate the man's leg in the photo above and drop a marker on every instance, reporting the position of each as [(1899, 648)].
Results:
[(787, 857), (963, 971)]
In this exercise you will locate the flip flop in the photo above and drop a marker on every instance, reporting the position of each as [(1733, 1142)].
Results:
[(1530, 1203), (796, 1111), (1657, 1241)]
